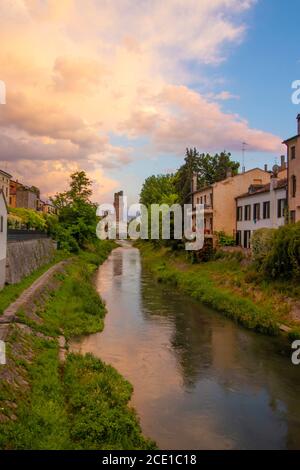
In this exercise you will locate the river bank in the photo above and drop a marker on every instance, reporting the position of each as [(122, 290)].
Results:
[(227, 286), (201, 381), (53, 400)]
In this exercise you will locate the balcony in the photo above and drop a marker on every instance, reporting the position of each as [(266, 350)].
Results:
[(208, 233), (208, 209)]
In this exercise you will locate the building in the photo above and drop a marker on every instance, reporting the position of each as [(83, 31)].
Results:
[(3, 237), (5, 184), (118, 205), (263, 206), (48, 208), (293, 155), (219, 200), (23, 196), (14, 185), (121, 227)]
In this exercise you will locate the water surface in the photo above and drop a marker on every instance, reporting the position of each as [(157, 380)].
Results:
[(200, 381)]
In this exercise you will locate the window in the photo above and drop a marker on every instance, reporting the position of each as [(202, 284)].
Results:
[(247, 212), (247, 235), (266, 210), (256, 212), (293, 217), (239, 214), (239, 238), (281, 203), (201, 200), (204, 199), (1, 224), (293, 153), (293, 186)]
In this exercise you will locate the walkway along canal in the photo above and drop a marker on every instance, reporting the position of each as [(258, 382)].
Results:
[(200, 381)]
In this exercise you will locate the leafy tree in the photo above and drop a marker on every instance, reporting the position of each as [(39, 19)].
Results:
[(184, 175), (209, 168), (159, 189), (77, 218)]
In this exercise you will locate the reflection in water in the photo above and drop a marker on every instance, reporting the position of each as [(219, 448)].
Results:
[(200, 381)]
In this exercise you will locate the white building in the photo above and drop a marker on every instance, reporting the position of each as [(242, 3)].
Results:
[(5, 184), (3, 237), (263, 206)]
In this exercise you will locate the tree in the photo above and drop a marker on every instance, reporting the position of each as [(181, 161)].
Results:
[(77, 218), (183, 178), (209, 168), (159, 189)]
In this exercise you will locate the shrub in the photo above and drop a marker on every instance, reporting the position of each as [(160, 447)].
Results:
[(283, 258), (261, 243), (26, 218), (225, 240)]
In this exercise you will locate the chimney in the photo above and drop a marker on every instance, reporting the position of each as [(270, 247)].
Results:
[(266, 167), (228, 173), (298, 119)]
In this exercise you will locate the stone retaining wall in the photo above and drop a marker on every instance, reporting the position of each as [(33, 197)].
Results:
[(24, 257)]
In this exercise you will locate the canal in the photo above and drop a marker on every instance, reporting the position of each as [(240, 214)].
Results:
[(200, 381)]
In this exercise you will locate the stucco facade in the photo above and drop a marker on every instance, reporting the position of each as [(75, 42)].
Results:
[(220, 205), (3, 237), (5, 184), (260, 208), (293, 154)]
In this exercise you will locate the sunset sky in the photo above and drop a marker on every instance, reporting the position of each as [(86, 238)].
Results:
[(120, 88)]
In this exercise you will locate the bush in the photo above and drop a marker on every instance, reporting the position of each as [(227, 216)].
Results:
[(283, 258), (26, 218), (261, 243), (225, 240)]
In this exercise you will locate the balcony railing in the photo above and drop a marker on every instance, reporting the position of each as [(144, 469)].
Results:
[(22, 235)]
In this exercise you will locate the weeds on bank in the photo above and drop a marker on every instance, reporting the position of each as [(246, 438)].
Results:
[(207, 282), (82, 404), (11, 292)]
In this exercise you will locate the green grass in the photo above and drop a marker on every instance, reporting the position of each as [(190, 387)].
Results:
[(42, 418), (75, 308), (206, 282), (81, 404), (11, 292), (98, 406)]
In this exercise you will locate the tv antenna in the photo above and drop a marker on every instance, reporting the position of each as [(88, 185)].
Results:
[(244, 145)]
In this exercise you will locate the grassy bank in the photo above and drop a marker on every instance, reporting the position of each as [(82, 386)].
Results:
[(79, 404), (226, 285), (13, 291)]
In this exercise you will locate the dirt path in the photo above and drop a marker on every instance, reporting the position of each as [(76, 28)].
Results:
[(29, 298)]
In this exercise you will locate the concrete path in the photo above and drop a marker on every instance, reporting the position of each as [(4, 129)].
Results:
[(10, 314)]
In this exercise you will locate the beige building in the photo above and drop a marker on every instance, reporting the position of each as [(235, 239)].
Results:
[(220, 203), (5, 183), (48, 208), (293, 155)]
